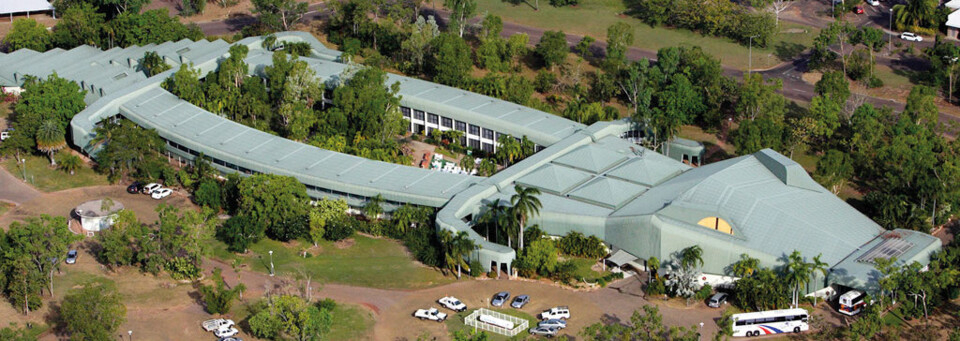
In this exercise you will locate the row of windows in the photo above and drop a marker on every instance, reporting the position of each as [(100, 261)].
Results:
[(448, 123), (771, 319)]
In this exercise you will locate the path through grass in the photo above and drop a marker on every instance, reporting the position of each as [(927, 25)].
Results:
[(368, 262), (592, 17), (41, 175)]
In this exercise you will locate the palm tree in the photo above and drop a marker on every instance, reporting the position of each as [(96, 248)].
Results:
[(818, 266), (691, 256), (70, 163), (455, 247), (468, 163), (509, 149), (487, 167), (744, 267), (797, 273), (919, 13), (525, 205), (653, 265), (403, 217), (372, 209), (50, 139)]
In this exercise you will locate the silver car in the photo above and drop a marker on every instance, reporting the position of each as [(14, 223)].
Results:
[(500, 298), (555, 323), (520, 301), (544, 331), (718, 300)]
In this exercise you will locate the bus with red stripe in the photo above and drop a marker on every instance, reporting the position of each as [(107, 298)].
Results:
[(852, 302), (770, 322)]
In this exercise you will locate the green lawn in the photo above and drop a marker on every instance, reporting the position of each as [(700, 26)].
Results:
[(4, 207), (592, 17), (45, 178), (455, 323), (584, 269), (350, 322), (369, 262)]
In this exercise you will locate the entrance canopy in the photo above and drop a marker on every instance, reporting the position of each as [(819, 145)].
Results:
[(621, 258), (24, 6)]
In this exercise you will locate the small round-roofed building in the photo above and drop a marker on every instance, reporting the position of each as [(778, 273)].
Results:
[(97, 215)]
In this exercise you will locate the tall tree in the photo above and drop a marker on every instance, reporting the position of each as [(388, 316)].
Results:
[(915, 13), (185, 83), (690, 257), (93, 312), (797, 273), (461, 12), (79, 25), (451, 60), (275, 201), (152, 64), (44, 242), (279, 15), (28, 34), (552, 48), (525, 205), (289, 317), (455, 248), (619, 39)]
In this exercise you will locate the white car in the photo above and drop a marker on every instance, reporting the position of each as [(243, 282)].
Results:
[(161, 193), (211, 325), (150, 188), (226, 332), (555, 313), (874, 2), (4, 135), (909, 36), (452, 303), (431, 314)]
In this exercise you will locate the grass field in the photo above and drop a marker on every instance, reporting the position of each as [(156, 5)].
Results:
[(368, 262), (4, 207), (45, 178), (350, 322), (592, 17), (455, 323), (584, 269)]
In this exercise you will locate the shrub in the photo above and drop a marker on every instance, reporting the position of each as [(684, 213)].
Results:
[(424, 245), (545, 81), (561, 3), (565, 271), (656, 287), (339, 229), (874, 82), (476, 268), (208, 194), (576, 244), (704, 292), (327, 304)]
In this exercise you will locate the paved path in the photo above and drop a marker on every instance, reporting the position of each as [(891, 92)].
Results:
[(13, 190)]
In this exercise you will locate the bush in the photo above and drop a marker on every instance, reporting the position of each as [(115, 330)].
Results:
[(476, 268), (422, 242), (208, 194), (858, 65), (704, 292), (339, 229), (576, 244), (545, 81), (327, 304), (874, 82), (561, 3), (565, 271), (656, 287)]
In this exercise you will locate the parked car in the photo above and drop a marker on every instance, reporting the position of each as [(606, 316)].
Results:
[(226, 332), (229, 339), (452, 303), (151, 187), (161, 193), (555, 313), (135, 187), (910, 36), (557, 323), (718, 300), (4, 135), (211, 325), (500, 298), (72, 257), (544, 331), (858, 10), (873, 2), (520, 301), (431, 314)]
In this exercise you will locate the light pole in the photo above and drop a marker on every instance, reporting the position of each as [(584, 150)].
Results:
[(890, 41), (699, 331), (750, 62), (271, 262), (130, 334)]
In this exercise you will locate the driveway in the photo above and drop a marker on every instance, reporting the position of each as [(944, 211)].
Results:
[(14, 190)]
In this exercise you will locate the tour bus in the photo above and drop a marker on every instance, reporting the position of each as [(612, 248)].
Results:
[(852, 302), (770, 322)]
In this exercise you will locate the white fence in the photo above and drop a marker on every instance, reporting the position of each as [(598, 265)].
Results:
[(473, 320)]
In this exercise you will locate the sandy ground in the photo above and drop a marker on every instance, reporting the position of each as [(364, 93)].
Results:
[(212, 12)]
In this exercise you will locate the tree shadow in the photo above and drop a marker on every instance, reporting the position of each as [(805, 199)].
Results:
[(788, 51)]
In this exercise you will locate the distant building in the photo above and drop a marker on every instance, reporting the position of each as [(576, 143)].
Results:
[(17, 7)]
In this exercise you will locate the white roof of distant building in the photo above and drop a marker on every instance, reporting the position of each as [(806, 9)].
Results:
[(21, 6), (954, 4), (953, 20)]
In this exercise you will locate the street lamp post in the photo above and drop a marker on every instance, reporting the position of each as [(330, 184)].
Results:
[(130, 334), (750, 62), (890, 40), (699, 331), (271, 262)]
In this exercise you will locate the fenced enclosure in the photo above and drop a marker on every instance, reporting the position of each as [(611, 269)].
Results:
[(491, 325)]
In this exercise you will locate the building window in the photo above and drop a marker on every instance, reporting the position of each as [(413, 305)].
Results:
[(474, 130), (405, 111), (488, 134), (418, 115), (715, 223), (446, 122), (498, 136), (487, 147), (475, 144), (462, 126), (433, 118)]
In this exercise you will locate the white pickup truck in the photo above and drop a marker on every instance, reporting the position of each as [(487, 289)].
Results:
[(431, 314), (555, 313), (452, 303), (215, 324)]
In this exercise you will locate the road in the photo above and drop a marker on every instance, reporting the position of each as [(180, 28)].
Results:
[(790, 73)]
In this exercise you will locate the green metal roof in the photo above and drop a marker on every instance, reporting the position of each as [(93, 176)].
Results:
[(555, 179), (608, 192), (591, 158), (856, 273), (649, 170)]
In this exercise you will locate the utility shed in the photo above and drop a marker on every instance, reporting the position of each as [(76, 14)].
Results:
[(97, 215), (689, 152)]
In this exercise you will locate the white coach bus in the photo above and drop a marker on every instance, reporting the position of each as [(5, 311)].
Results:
[(770, 322)]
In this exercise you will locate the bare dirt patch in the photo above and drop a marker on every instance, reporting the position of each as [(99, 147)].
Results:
[(345, 244)]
